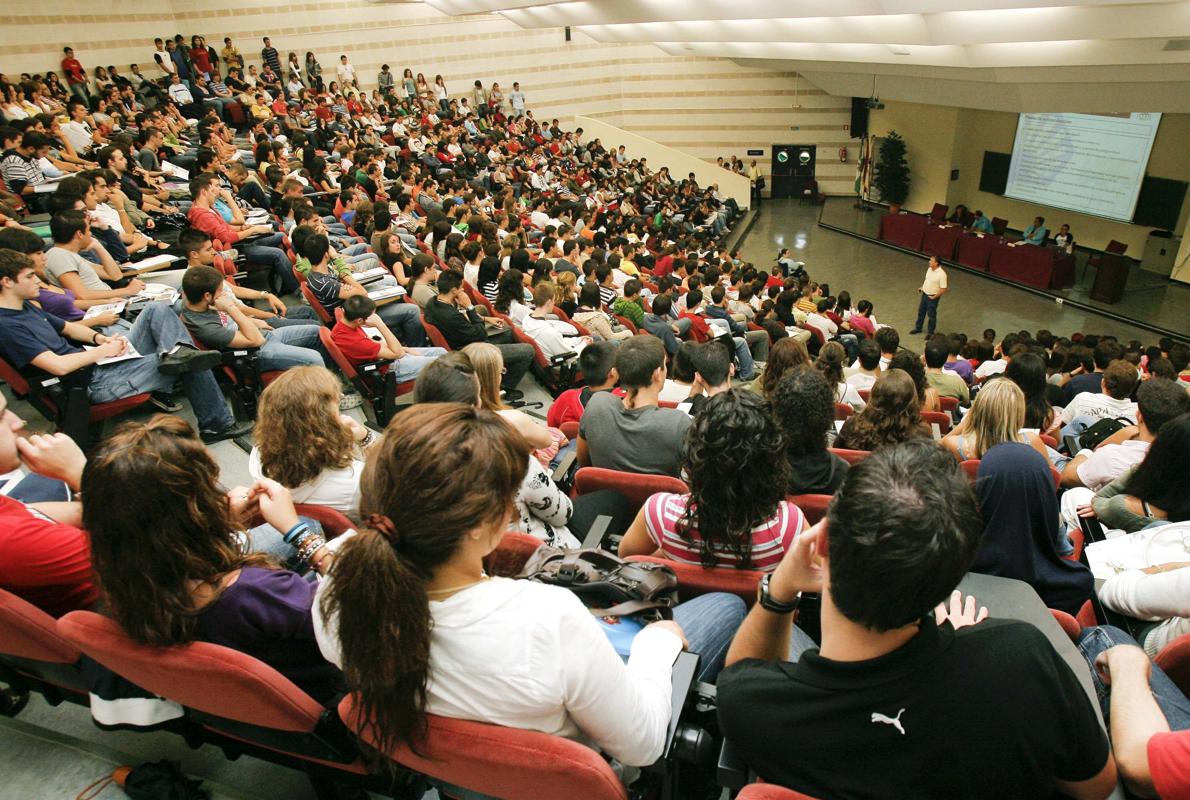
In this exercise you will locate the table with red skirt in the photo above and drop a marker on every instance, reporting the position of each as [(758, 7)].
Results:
[(1040, 267)]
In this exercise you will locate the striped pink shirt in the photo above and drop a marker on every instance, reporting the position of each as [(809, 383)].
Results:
[(770, 539)]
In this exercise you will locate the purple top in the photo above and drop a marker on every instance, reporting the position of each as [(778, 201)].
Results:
[(60, 305), (962, 368), (266, 613)]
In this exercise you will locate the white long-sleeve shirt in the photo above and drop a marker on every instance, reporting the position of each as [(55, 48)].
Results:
[(531, 656), (1161, 596), (550, 335)]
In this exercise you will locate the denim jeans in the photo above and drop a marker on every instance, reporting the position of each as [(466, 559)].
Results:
[(709, 622), (270, 541), (743, 357), (293, 346), (267, 250), (298, 315), (415, 360), (404, 319), (354, 250), (1173, 704), (927, 306), (158, 330)]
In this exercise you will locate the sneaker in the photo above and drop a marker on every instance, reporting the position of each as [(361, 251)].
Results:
[(165, 402), (235, 431), (350, 400), (185, 359)]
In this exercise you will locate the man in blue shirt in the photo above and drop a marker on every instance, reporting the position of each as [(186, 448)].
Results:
[(32, 338), (1036, 233), (982, 224)]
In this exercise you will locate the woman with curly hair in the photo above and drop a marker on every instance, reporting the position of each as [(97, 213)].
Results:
[(305, 444), (173, 567), (911, 364), (832, 358), (804, 409), (892, 415), (787, 355), (735, 514), (510, 296)]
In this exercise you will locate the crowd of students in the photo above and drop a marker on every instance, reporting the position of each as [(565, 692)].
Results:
[(695, 365)]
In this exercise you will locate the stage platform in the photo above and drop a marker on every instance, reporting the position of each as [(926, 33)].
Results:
[(1150, 302)]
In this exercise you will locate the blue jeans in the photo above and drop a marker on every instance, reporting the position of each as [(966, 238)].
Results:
[(743, 357), (267, 250), (416, 359), (404, 319), (710, 622), (1173, 704), (298, 315), (293, 346), (927, 306), (270, 541), (354, 250), (158, 330)]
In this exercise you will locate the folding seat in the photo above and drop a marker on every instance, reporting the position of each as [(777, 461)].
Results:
[(948, 403), (695, 579), (939, 418), (1174, 658), (33, 657), (812, 505), (380, 390), (850, 456), (434, 335), (637, 488), (768, 791), (843, 411)]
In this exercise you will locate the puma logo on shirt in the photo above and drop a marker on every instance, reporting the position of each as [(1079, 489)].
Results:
[(894, 721)]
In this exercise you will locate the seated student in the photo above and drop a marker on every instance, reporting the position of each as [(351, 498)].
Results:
[(633, 434), (996, 416), (728, 518), (713, 371), (306, 445), (1156, 490), (1064, 238), (891, 416), (679, 383), (360, 310), (630, 306), (866, 370), (1149, 717), (1023, 537), (658, 323), (758, 341), (597, 363), (85, 279), (911, 364), (982, 224), (954, 363), (45, 558), (200, 252), (591, 316), (703, 331), (830, 361), (173, 569), (898, 675), (1119, 381), (552, 335), (217, 321), (1035, 233), (419, 627), (31, 337), (819, 318), (1088, 375), (804, 408), (945, 382), (1158, 401)]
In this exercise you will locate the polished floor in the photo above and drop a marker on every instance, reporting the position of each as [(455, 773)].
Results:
[(1148, 298)]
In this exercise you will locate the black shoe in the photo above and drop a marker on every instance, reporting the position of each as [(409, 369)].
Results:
[(510, 395), (165, 402), (189, 359), (236, 430), (915, 331)]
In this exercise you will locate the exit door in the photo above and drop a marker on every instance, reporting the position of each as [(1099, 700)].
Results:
[(793, 168)]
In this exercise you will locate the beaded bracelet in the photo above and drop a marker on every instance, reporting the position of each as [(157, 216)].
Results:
[(296, 531)]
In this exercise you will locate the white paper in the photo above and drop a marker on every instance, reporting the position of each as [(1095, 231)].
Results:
[(374, 272), (129, 354), (372, 333), (175, 170), (113, 308), (152, 261), (383, 294), (46, 188)]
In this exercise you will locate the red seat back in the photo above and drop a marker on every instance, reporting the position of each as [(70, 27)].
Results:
[(947, 403), (1115, 247), (865, 394), (842, 411), (941, 418), (850, 456), (637, 488), (999, 226), (971, 468), (29, 632), (695, 579), (435, 336), (570, 429), (1174, 658), (341, 361), (939, 212), (315, 304), (769, 791), (206, 677), (812, 505), (1069, 624), (12, 376), (503, 762)]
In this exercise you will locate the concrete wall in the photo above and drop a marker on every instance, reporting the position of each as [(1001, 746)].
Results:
[(705, 107)]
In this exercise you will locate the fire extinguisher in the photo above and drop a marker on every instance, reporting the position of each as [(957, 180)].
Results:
[(843, 154)]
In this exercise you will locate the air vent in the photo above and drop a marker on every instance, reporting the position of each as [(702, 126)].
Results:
[(1177, 45)]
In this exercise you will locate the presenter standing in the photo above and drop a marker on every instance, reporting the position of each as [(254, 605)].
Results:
[(932, 289)]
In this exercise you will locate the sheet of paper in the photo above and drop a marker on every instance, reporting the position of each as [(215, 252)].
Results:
[(46, 188), (175, 170), (129, 354), (152, 261), (113, 308), (372, 333), (391, 291)]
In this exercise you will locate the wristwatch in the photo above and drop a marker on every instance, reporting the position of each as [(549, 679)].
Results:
[(769, 603)]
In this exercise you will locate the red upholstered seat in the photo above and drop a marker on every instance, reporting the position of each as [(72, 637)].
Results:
[(947, 403), (435, 336), (1174, 658), (938, 214), (503, 762), (36, 655), (367, 380), (812, 505), (768, 791), (1070, 625), (850, 456), (695, 579), (637, 488), (48, 406), (843, 411), (940, 418)]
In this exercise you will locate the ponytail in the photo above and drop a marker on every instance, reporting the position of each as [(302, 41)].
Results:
[(379, 601)]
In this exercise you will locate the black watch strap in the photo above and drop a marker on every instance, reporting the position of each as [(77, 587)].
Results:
[(767, 601)]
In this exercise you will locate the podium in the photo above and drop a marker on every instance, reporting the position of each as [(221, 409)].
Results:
[(1111, 278)]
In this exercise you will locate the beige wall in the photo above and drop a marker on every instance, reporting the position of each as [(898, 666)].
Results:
[(705, 107), (929, 134)]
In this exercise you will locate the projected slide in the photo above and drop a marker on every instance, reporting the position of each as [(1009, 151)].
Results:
[(1082, 162)]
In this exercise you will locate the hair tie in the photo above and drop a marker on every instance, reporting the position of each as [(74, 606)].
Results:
[(384, 526)]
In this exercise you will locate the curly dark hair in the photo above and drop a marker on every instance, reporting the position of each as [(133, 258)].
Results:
[(910, 363), (510, 287), (804, 409), (892, 415), (735, 462)]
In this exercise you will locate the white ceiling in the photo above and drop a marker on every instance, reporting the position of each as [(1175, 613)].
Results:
[(1029, 55)]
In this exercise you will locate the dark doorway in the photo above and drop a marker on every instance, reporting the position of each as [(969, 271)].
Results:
[(793, 168)]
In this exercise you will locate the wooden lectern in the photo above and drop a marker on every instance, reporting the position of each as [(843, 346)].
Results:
[(1111, 278)]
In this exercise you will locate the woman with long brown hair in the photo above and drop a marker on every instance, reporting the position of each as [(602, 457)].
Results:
[(419, 627), (891, 416), (786, 355), (172, 567), (305, 444)]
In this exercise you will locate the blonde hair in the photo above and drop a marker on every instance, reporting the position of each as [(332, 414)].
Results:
[(997, 416), (297, 435), (566, 288), (488, 365)]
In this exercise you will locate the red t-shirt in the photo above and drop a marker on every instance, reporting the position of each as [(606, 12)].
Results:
[(45, 563), (861, 323), (324, 112), (1169, 764), (355, 344), (201, 58), (699, 329), (74, 70), (663, 266)]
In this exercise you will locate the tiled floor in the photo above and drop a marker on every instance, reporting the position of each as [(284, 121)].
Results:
[(890, 279)]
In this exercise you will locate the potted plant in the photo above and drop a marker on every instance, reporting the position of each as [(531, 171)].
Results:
[(892, 172)]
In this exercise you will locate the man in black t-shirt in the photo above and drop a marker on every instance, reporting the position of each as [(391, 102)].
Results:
[(901, 702)]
